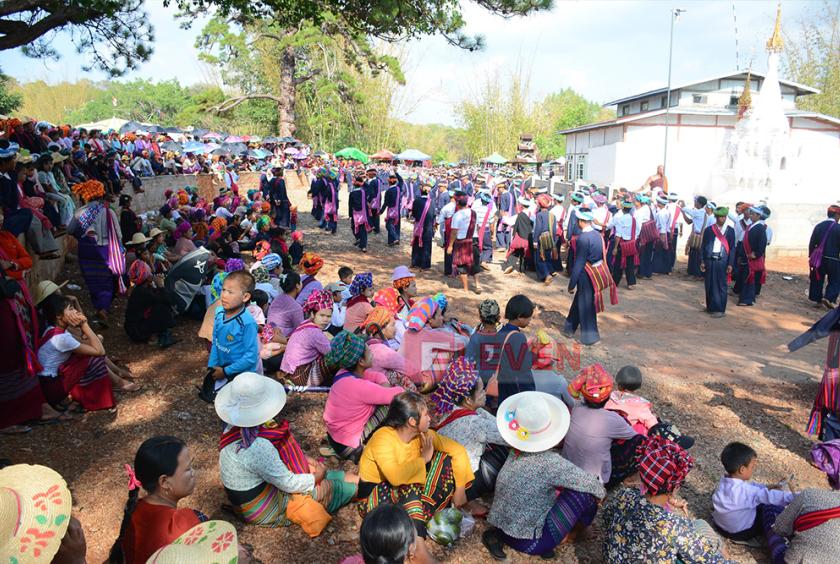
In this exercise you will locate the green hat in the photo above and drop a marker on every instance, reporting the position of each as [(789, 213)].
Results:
[(721, 212)]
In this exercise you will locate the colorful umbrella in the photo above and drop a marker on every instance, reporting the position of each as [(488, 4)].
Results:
[(354, 154)]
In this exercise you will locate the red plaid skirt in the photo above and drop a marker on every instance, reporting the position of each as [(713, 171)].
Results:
[(462, 253)]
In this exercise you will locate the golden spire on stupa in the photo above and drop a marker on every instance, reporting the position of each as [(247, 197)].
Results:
[(745, 101), (775, 44)]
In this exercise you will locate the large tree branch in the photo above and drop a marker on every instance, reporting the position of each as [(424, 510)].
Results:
[(231, 103), (306, 77), (17, 33), (9, 7)]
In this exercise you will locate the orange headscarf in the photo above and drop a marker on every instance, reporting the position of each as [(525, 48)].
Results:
[(311, 263)]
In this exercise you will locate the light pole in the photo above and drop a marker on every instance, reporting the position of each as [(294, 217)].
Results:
[(675, 13)]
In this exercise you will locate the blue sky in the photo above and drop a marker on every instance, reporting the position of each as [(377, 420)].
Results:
[(602, 49)]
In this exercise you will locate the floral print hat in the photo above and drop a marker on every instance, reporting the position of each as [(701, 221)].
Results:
[(211, 542), (34, 513)]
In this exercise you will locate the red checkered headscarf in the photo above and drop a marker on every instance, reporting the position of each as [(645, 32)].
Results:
[(318, 300), (663, 465), (594, 383)]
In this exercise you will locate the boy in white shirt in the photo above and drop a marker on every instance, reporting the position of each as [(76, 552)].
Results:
[(743, 509)]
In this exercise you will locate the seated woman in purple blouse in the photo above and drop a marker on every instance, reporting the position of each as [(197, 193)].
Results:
[(303, 362), (285, 313)]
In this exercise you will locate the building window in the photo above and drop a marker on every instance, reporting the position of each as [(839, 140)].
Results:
[(625, 109), (733, 100), (581, 167), (645, 106), (699, 99), (570, 162), (663, 102)]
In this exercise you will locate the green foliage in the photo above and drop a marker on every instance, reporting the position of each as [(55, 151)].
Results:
[(813, 58), (496, 117), (115, 35), (390, 20), (53, 102), (9, 100)]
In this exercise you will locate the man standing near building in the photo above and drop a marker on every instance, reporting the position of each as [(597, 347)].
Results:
[(824, 260), (755, 244), (699, 220), (661, 247), (717, 251)]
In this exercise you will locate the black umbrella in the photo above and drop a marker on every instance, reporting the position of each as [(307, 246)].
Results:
[(171, 130), (171, 146), (235, 148), (131, 126), (184, 280)]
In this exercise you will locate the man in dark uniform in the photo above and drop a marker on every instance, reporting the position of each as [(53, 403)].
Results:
[(755, 245), (392, 203), (824, 253), (717, 253), (423, 212), (373, 190), (359, 212), (589, 250), (280, 204)]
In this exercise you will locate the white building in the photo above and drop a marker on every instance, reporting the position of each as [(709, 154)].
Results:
[(625, 151)]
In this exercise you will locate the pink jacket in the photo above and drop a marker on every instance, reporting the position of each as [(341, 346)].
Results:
[(350, 404), (635, 409)]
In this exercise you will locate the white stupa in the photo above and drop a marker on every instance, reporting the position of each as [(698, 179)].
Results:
[(756, 154)]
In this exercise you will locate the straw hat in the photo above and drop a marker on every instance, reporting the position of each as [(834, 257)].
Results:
[(250, 400), (139, 239), (532, 421), (155, 232), (45, 289), (34, 513), (209, 542)]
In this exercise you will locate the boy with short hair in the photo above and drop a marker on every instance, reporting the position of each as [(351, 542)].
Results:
[(336, 290), (345, 278), (235, 346), (743, 509)]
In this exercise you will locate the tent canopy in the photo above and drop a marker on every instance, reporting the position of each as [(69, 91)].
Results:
[(495, 158), (105, 124), (413, 155)]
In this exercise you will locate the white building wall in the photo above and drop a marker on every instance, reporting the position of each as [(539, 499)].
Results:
[(696, 157)]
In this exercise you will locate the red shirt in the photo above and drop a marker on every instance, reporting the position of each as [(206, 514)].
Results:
[(152, 527)]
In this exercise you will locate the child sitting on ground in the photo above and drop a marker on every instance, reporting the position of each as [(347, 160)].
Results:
[(235, 346), (638, 411), (743, 509), (296, 248), (634, 408), (345, 278)]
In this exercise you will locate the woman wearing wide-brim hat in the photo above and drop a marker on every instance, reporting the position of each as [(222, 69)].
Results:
[(529, 514), (35, 521), (267, 477)]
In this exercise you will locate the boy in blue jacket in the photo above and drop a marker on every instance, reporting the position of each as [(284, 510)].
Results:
[(235, 347)]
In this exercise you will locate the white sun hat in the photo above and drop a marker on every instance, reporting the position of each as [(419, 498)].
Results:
[(250, 400), (532, 421)]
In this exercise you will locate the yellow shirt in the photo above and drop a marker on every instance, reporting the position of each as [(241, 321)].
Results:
[(387, 458)]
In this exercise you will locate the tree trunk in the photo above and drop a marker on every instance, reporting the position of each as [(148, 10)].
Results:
[(286, 107)]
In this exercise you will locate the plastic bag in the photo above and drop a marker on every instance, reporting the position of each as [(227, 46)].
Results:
[(467, 524), (445, 527)]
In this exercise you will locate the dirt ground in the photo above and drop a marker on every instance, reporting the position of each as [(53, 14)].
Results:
[(718, 379)]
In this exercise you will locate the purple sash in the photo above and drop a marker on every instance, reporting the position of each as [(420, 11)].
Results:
[(392, 213), (418, 227), (360, 216), (815, 260)]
